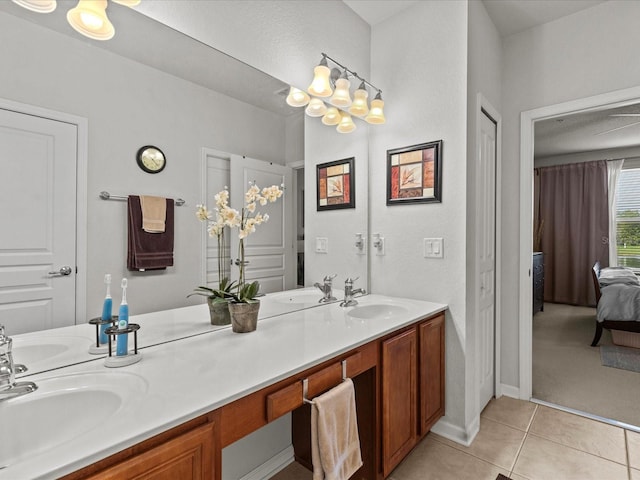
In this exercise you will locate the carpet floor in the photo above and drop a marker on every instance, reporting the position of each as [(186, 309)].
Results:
[(567, 371)]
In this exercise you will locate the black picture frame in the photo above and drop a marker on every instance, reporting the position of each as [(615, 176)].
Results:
[(414, 174), (335, 185)]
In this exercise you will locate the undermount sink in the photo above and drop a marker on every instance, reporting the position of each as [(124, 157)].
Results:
[(60, 410), (298, 297), (43, 353), (377, 311)]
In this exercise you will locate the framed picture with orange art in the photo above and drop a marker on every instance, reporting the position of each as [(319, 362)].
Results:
[(414, 174), (336, 185)]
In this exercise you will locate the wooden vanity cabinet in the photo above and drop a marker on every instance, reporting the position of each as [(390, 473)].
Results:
[(412, 388), (399, 398), (431, 372), (185, 453)]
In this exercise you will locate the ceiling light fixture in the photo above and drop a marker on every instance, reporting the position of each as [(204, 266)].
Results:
[(88, 17), (332, 85)]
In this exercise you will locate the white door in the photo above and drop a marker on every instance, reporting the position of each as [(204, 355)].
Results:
[(270, 250), (217, 178), (486, 237), (38, 158)]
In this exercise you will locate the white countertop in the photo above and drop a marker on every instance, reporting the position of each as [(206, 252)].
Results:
[(60, 347), (183, 379)]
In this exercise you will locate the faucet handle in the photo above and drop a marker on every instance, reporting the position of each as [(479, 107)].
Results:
[(350, 281), (329, 278)]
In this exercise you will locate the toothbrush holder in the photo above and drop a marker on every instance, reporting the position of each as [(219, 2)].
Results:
[(131, 357), (98, 348)]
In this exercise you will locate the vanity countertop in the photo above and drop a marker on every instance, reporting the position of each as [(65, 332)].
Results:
[(183, 379), (60, 347)]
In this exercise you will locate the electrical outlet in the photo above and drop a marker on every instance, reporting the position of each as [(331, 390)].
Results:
[(433, 248)]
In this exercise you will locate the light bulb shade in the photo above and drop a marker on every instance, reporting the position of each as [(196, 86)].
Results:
[(297, 98), (127, 3), (320, 87), (346, 124), (376, 114), (341, 96), (40, 6), (316, 108), (359, 106), (332, 117), (90, 19)]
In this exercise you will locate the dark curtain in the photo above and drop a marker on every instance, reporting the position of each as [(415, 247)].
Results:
[(573, 221)]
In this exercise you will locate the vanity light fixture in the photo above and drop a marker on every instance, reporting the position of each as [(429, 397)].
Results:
[(297, 98), (339, 97), (88, 17), (316, 108), (39, 6), (359, 106), (332, 117), (320, 86), (346, 124)]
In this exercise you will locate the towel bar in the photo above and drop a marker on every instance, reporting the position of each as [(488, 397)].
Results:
[(107, 196), (305, 383)]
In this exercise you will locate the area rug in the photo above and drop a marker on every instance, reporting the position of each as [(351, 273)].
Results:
[(625, 358)]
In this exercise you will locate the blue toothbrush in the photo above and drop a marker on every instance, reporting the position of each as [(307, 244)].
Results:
[(123, 322), (107, 310)]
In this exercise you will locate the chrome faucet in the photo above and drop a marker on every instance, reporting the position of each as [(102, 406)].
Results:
[(327, 289), (9, 388), (349, 292)]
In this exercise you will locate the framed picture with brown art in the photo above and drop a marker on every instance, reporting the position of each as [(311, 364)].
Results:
[(414, 174), (336, 185)]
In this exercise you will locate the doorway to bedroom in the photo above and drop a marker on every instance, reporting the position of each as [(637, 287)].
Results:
[(586, 208)]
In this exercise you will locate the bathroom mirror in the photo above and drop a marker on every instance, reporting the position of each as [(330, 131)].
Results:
[(57, 69)]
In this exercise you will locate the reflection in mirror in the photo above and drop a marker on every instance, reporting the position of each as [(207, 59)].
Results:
[(141, 88)]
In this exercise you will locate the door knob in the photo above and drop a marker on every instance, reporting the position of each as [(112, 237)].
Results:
[(64, 271)]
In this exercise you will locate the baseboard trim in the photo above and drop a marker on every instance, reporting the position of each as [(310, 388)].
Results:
[(272, 466), (463, 436), (511, 391)]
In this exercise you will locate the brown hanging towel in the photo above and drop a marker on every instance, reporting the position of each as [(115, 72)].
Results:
[(148, 251)]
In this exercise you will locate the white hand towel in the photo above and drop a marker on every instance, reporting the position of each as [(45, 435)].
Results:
[(335, 444)]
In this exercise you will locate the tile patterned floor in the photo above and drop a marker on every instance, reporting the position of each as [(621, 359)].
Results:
[(523, 441)]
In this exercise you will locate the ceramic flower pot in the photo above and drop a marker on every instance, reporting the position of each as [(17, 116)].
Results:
[(219, 312), (244, 316)]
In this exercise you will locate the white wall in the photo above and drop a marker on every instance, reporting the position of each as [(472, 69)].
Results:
[(129, 105), (419, 58), (591, 52)]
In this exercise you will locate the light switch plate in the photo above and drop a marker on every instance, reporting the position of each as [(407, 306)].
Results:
[(322, 245), (433, 248)]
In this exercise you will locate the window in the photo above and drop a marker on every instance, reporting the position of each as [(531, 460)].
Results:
[(628, 218)]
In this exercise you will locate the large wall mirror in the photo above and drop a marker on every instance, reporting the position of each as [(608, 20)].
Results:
[(152, 85)]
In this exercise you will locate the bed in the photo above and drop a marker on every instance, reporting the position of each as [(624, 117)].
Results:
[(617, 292)]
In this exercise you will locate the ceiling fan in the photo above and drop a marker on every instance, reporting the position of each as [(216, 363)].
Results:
[(624, 126)]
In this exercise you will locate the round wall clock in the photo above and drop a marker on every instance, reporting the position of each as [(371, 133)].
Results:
[(151, 159)]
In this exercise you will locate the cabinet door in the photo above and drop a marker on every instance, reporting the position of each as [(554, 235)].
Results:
[(399, 398), (431, 386), (186, 457)]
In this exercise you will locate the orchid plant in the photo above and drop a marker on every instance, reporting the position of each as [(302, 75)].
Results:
[(246, 221)]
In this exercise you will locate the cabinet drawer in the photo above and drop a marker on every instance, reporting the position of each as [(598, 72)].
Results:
[(291, 397)]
